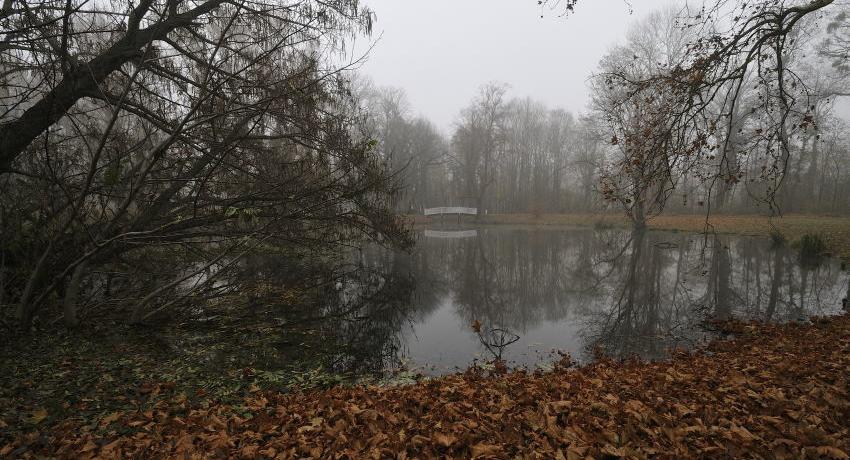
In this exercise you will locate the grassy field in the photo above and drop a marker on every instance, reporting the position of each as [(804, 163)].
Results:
[(835, 231)]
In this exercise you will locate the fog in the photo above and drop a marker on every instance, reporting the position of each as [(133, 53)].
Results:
[(243, 200), (146, 151), (441, 51)]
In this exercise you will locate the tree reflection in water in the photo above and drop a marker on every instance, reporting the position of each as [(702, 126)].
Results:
[(576, 290), (621, 292)]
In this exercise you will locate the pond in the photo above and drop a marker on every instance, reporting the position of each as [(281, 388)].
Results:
[(468, 295), (533, 292)]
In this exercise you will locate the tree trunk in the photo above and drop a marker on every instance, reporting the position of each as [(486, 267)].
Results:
[(2, 279), (774, 285), (26, 309), (85, 80), (639, 215), (723, 304), (69, 306)]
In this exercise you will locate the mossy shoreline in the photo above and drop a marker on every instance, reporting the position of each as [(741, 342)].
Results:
[(774, 391)]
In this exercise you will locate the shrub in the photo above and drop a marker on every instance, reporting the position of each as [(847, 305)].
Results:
[(777, 239), (812, 248)]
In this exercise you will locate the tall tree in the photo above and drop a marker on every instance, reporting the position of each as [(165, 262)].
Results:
[(653, 143), (476, 142), (166, 139)]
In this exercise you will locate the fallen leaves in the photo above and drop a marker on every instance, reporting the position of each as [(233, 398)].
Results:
[(830, 452), (773, 392), (38, 416), (110, 418)]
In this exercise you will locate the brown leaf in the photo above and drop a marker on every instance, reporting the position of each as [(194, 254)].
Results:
[(610, 450), (576, 453), (269, 452), (109, 450), (635, 408), (445, 440), (831, 452), (482, 449), (419, 440), (743, 433), (561, 406), (6, 450), (110, 418), (88, 447), (38, 415)]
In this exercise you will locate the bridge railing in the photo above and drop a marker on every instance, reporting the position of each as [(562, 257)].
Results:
[(451, 210)]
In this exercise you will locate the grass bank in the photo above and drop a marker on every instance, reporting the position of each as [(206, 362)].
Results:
[(835, 231), (772, 392)]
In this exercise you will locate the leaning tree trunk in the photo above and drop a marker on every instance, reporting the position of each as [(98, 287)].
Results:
[(26, 308)]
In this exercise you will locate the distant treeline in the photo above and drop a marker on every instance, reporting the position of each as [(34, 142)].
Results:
[(653, 136)]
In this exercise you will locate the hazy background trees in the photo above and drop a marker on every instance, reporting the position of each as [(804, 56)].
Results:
[(411, 145), (503, 154), (693, 113)]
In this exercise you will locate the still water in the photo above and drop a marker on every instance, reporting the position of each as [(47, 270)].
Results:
[(531, 292)]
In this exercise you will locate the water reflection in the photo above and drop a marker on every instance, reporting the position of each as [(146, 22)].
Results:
[(584, 291), (519, 294)]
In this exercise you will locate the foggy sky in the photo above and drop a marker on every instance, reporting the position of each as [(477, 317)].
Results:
[(441, 51)]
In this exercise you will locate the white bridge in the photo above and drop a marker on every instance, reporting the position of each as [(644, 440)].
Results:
[(451, 210), (451, 234)]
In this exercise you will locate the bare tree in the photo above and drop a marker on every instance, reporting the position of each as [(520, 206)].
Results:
[(413, 147), (653, 143), (156, 139), (476, 142)]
